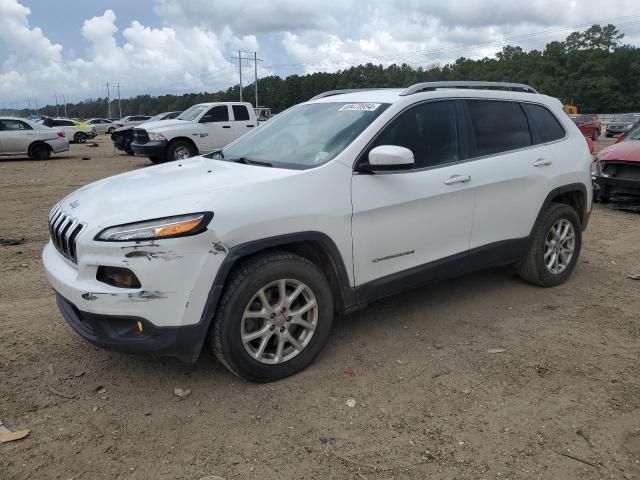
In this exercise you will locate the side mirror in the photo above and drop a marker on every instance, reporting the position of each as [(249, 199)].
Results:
[(390, 157)]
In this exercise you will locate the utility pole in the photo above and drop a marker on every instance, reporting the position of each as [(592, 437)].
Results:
[(255, 60), (64, 99), (119, 106), (57, 110), (29, 106), (108, 100)]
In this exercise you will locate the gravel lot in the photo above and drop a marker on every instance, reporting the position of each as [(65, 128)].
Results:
[(561, 399)]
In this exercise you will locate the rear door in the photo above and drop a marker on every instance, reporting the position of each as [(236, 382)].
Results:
[(242, 122), (15, 137), (214, 129), (511, 170)]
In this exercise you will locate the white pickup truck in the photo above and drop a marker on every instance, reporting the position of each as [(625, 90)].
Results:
[(200, 129)]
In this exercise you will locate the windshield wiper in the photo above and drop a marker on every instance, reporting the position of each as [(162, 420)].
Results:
[(248, 161), (215, 152)]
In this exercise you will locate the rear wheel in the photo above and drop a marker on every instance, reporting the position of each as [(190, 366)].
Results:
[(40, 151), (80, 137), (180, 150), (596, 135), (274, 317), (110, 130), (554, 248)]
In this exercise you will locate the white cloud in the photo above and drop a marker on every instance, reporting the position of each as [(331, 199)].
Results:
[(191, 51)]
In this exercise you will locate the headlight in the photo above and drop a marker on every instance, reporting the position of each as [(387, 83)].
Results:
[(169, 227), (156, 136)]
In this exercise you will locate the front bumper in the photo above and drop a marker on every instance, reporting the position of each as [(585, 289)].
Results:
[(609, 185), (176, 277), (150, 149), (121, 333)]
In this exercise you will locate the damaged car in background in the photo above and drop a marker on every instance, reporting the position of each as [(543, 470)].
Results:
[(123, 136), (617, 171)]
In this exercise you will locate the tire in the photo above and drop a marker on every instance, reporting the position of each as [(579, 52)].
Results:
[(241, 297), (40, 151), (532, 268), (156, 159), (110, 130), (80, 137), (596, 135), (180, 150)]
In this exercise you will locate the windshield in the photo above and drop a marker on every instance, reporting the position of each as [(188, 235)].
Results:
[(634, 135), (305, 136), (192, 113), (629, 117)]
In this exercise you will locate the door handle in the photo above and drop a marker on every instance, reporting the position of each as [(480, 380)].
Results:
[(457, 179), (542, 162), (226, 126)]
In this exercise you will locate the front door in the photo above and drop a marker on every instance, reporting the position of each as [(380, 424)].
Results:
[(214, 129), (404, 222), (15, 136)]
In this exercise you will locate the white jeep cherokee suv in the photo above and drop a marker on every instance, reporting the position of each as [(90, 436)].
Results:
[(331, 205)]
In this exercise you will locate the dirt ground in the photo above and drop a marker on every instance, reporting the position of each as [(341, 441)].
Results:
[(560, 399)]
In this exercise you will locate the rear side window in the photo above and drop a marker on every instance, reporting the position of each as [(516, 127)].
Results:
[(13, 125), (546, 124), (240, 113), (498, 126)]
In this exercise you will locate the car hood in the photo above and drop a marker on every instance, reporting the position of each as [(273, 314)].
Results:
[(124, 129), (628, 151), (193, 185), (160, 124)]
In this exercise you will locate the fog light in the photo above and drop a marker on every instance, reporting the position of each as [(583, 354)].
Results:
[(117, 277)]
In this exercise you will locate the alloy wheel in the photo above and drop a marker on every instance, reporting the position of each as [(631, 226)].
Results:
[(559, 246)]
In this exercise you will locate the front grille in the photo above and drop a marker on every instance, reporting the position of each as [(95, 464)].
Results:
[(64, 231), (140, 135), (625, 171)]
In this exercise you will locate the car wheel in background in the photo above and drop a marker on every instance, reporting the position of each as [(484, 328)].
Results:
[(180, 150), (80, 137), (274, 317), (156, 159), (40, 151), (596, 135), (554, 248), (110, 130)]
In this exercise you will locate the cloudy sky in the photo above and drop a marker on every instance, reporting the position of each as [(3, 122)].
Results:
[(73, 47)]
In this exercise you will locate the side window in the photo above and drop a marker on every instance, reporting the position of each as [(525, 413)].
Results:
[(498, 126), (240, 113), (429, 130), (13, 125), (216, 114), (546, 124)]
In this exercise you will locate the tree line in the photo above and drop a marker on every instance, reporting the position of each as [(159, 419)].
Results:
[(592, 69)]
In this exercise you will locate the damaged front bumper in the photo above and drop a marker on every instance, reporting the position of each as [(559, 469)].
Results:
[(176, 276), (617, 178)]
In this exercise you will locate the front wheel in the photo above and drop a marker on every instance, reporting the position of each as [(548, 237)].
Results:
[(274, 317), (180, 150), (80, 137), (110, 130), (554, 248)]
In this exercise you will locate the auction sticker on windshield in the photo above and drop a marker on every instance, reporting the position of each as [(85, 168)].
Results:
[(359, 107)]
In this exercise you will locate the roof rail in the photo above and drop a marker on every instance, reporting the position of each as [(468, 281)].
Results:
[(331, 93), (430, 86)]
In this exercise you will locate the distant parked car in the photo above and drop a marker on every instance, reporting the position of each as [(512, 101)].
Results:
[(74, 131), (132, 120), (622, 124), (622, 136), (102, 125), (588, 125), (618, 168), (123, 136), (26, 137)]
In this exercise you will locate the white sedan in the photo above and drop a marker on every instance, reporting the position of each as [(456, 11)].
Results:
[(25, 137), (75, 131), (102, 125)]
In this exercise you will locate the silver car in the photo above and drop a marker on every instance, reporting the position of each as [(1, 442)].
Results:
[(19, 136)]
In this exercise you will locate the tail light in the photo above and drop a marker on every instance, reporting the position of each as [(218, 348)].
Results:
[(61, 134)]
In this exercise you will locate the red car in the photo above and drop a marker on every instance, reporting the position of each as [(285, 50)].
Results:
[(588, 125), (618, 168)]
